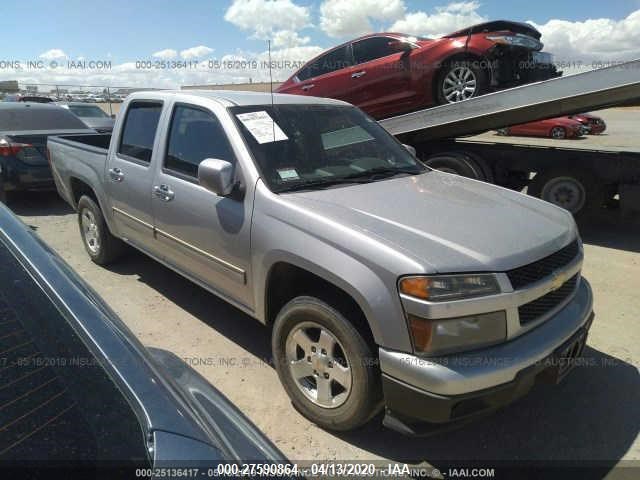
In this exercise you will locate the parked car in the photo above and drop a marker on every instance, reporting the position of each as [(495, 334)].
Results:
[(559, 128), (35, 99), (386, 282), (24, 128), (595, 124), (84, 393), (387, 74), (91, 115)]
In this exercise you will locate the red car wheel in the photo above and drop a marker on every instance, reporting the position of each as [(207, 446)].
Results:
[(559, 133)]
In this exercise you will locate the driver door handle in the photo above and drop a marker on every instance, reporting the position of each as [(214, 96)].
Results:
[(358, 74), (307, 87), (163, 192), (116, 174)]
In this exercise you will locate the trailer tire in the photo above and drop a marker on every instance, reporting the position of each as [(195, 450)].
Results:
[(579, 192), (103, 248), (458, 164)]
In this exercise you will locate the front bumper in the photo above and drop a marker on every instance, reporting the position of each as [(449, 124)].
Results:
[(423, 393), (16, 175), (513, 65)]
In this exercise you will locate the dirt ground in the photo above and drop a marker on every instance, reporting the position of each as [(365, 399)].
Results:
[(593, 415)]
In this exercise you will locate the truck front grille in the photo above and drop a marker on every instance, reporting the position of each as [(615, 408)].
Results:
[(540, 306), (522, 276)]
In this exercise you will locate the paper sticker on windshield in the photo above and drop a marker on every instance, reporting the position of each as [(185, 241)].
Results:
[(263, 128), (288, 174)]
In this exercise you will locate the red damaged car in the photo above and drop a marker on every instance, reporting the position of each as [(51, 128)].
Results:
[(387, 74), (559, 128)]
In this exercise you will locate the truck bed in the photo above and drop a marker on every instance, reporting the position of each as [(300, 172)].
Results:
[(77, 157)]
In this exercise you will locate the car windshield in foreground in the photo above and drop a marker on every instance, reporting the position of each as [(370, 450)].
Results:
[(87, 111), (299, 147)]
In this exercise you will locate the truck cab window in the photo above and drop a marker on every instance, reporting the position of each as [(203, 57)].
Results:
[(139, 130), (194, 136)]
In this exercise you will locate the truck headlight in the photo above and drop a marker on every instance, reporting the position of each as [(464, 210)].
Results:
[(441, 288), (450, 335)]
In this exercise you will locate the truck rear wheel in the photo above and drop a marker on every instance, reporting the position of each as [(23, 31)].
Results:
[(326, 366), (102, 247), (458, 163), (576, 191)]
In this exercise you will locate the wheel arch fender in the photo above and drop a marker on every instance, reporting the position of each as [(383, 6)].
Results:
[(380, 307)]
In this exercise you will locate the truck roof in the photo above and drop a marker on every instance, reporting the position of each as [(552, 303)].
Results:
[(231, 98)]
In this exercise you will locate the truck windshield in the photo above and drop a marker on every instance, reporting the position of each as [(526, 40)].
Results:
[(300, 147)]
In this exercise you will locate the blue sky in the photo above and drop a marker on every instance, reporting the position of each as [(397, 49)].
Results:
[(124, 31), (134, 29)]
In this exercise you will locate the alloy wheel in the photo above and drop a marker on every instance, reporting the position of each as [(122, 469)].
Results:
[(318, 365), (459, 84)]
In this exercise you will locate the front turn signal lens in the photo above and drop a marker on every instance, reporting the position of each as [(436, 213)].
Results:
[(415, 286)]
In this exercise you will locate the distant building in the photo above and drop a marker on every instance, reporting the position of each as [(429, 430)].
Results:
[(247, 87), (9, 86)]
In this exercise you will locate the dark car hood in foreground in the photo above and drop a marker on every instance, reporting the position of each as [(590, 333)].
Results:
[(449, 223), (498, 26)]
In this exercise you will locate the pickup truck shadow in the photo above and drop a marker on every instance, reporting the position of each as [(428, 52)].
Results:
[(38, 204), (612, 231), (222, 317), (592, 416)]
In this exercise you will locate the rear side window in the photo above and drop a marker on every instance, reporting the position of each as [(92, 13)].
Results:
[(20, 117), (139, 130), (372, 48), (332, 61), (194, 136)]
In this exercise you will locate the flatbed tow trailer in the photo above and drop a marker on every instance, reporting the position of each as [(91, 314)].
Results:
[(581, 180)]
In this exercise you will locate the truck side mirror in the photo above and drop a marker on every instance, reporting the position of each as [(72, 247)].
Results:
[(216, 176)]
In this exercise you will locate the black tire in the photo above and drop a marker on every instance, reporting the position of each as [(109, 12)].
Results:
[(458, 163), (560, 187), (481, 77), (364, 400), (107, 248)]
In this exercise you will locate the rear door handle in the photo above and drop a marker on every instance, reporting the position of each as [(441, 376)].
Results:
[(116, 174), (163, 192), (307, 87), (358, 74)]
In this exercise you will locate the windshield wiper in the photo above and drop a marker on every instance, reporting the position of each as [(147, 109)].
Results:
[(321, 183), (382, 172)]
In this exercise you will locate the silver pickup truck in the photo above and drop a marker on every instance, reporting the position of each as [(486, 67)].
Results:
[(386, 284)]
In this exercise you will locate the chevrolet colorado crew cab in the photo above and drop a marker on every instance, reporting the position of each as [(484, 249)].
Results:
[(386, 284)]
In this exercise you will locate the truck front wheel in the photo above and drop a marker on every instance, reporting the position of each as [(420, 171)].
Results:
[(102, 247), (325, 365)]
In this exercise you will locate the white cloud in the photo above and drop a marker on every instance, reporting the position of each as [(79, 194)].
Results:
[(348, 18), (288, 39), (593, 40), (278, 20), (53, 54), (445, 19), (166, 54), (195, 52)]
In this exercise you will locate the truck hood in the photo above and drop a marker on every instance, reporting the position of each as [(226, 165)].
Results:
[(498, 26), (446, 222)]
